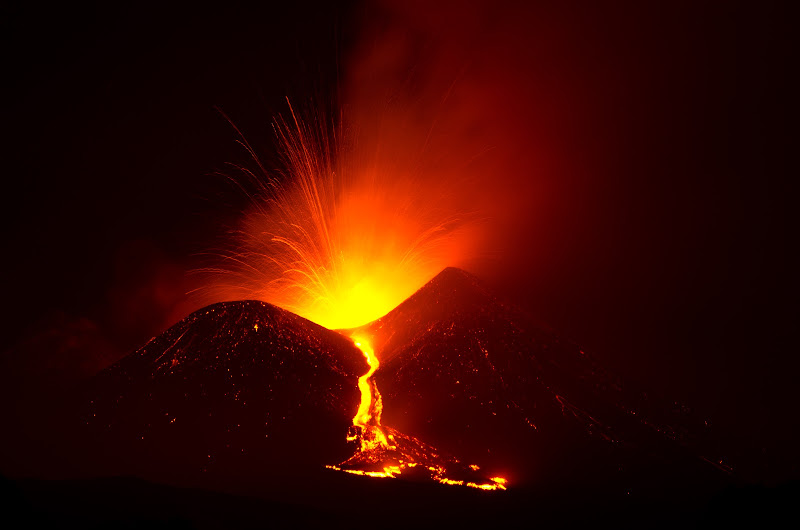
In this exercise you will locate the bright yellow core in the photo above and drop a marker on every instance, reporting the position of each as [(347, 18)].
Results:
[(368, 416), (352, 298)]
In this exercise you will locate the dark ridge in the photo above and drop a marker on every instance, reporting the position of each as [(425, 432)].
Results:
[(234, 393), (477, 377), (451, 291)]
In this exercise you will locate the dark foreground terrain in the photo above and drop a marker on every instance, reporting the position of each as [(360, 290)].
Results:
[(352, 502)]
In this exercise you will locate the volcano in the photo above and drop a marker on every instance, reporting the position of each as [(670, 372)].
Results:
[(245, 397)]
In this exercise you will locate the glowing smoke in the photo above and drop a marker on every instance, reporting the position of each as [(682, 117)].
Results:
[(442, 144), (346, 235)]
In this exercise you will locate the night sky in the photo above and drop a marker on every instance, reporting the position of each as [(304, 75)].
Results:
[(658, 238)]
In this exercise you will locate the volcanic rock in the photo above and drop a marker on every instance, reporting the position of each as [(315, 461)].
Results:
[(236, 392), (481, 379)]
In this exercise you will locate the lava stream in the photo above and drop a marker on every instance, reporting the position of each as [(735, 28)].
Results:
[(367, 421), (386, 453)]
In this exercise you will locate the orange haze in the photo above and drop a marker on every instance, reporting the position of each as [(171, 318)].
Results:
[(434, 157)]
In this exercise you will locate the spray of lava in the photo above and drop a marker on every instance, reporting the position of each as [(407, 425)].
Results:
[(342, 235)]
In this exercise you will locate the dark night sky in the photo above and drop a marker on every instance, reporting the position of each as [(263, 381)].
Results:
[(664, 249)]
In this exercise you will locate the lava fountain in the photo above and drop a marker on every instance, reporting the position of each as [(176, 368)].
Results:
[(341, 235)]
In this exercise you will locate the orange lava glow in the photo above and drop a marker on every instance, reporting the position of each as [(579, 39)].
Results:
[(367, 420), (379, 454), (342, 235)]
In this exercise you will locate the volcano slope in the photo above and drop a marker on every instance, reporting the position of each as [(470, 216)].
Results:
[(480, 379), (236, 393)]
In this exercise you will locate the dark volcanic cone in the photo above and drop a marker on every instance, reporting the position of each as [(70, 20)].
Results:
[(480, 379), (236, 392)]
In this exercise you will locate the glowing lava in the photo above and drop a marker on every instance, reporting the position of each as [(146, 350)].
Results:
[(387, 453), (342, 236), (367, 421)]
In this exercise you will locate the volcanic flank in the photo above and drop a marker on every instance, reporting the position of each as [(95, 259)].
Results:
[(480, 378), (471, 388), (236, 391)]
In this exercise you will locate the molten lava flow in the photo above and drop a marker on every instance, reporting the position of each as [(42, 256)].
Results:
[(367, 421), (387, 453)]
